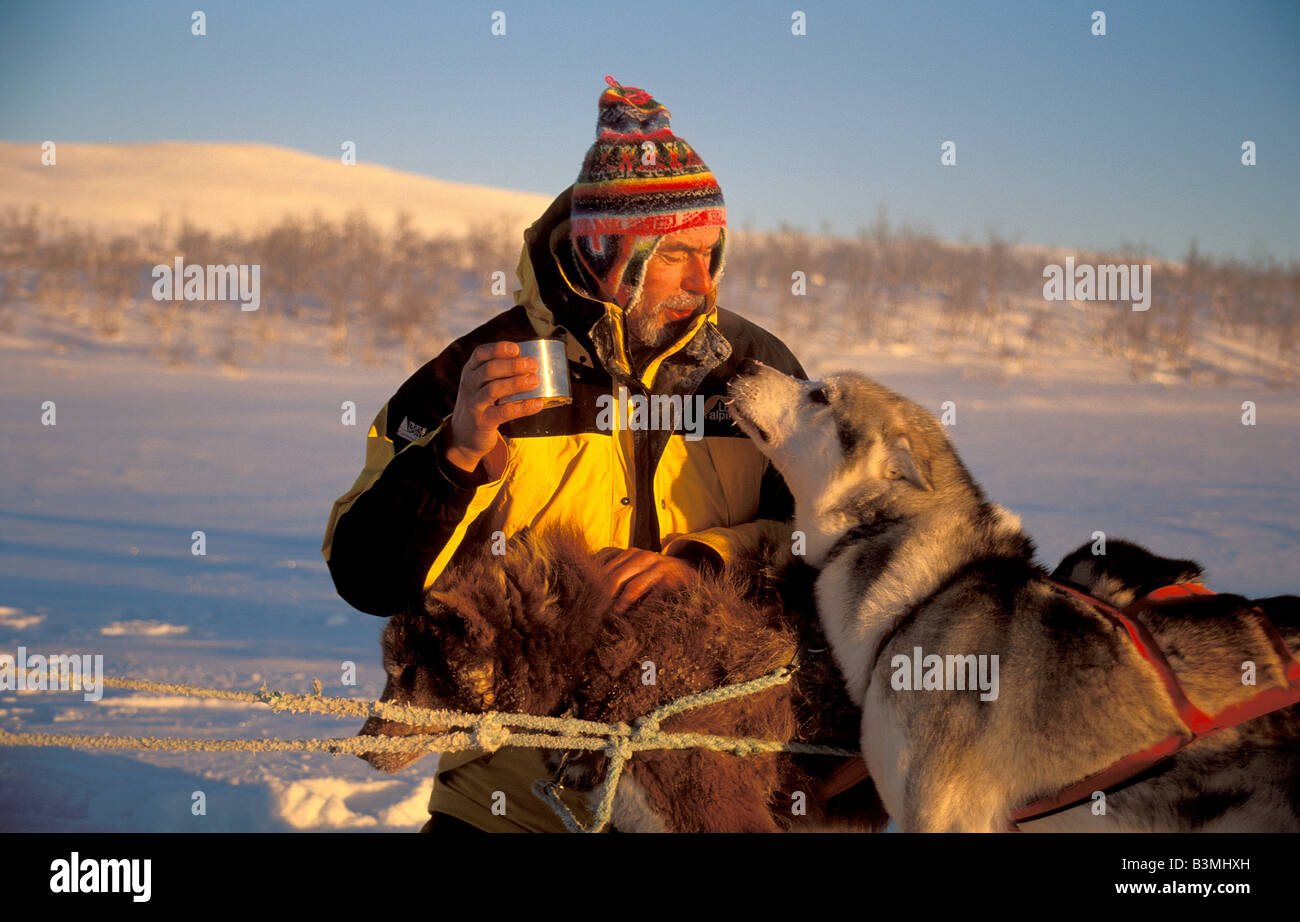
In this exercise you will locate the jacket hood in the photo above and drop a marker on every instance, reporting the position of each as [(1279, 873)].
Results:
[(554, 297)]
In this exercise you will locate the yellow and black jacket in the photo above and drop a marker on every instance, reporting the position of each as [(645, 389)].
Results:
[(404, 518)]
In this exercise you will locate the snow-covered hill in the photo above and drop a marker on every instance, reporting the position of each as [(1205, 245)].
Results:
[(221, 187)]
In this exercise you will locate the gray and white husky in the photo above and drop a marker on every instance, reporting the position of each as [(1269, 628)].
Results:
[(984, 687)]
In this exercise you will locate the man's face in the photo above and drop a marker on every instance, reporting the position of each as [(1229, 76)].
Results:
[(676, 282)]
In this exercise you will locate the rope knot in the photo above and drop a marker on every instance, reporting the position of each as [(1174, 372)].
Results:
[(491, 735), (619, 749)]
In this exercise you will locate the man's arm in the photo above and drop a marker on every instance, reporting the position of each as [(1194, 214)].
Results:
[(384, 534), (721, 545), (411, 505)]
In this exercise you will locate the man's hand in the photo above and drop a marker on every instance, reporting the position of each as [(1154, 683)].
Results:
[(633, 571), (494, 370)]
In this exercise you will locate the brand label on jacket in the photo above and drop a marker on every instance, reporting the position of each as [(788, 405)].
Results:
[(410, 431)]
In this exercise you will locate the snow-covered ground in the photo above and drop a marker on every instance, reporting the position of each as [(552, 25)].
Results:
[(97, 512)]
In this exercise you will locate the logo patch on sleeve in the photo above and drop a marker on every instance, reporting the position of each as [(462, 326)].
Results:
[(717, 419), (410, 431), (715, 410)]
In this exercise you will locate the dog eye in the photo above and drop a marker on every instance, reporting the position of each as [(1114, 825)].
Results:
[(818, 396)]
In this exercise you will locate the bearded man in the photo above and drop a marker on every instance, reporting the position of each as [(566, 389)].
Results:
[(623, 268)]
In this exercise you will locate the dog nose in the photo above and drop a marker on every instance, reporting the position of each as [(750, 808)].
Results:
[(748, 366)]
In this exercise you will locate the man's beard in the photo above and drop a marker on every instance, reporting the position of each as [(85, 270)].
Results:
[(647, 326)]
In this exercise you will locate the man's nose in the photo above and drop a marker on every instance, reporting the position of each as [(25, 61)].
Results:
[(697, 279)]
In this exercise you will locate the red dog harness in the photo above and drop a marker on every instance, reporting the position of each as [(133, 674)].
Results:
[(1197, 723)]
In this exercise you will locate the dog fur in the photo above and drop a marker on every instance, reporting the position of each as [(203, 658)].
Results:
[(533, 631), (911, 554), (1125, 572)]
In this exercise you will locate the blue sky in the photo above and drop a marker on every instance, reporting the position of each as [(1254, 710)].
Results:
[(1062, 138)]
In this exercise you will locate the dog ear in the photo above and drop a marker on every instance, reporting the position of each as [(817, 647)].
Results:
[(900, 465), (458, 615), (453, 605)]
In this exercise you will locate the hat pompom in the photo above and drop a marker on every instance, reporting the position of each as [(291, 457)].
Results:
[(628, 111)]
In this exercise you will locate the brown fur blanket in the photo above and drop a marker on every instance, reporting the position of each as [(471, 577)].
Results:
[(532, 631)]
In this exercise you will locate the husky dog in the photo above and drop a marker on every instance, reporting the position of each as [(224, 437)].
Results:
[(533, 631), (984, 688), (1125, 573)]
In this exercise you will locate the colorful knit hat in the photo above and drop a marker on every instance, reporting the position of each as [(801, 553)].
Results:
[(638, 182)]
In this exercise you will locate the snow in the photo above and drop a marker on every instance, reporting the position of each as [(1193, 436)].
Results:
[(340, 804), (118, 628), (97, 516), (116, 187), (12, 618)]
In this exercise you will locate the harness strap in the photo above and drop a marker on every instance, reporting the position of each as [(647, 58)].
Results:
[(1193, 717), (1198, 723), (848, 774), (1279, 646), (853, 773), (1174, 590), (1268, 699)]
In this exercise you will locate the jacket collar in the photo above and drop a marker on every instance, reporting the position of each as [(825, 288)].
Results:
[(554, 297)]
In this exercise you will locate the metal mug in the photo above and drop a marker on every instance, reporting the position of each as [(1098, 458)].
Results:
[(552, 372)]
